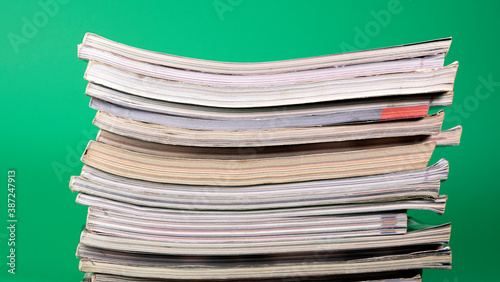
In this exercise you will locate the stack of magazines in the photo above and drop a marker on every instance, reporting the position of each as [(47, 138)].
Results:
[(293, 170)]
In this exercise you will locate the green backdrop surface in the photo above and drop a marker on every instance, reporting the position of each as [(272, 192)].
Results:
[(46, 122)]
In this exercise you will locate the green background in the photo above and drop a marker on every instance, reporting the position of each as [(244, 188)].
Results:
[(46, 122)]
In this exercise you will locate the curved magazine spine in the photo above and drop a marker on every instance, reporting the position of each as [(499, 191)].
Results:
[(390, 84), (216, 113), (236, 171), (218, 80), (160, 213), (158, 133), (421, 49), (333, 118)]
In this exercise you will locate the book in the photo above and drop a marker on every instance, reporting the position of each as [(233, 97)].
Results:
[(313, 114), (433, 80), (391, 276), (240, 170), (234, 167), (259, 267), (221, 80), (436, 205), (353, 114), (411, 185), (394, 276), (250, 229), (422, 49), (244, 233), (166, 134)]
